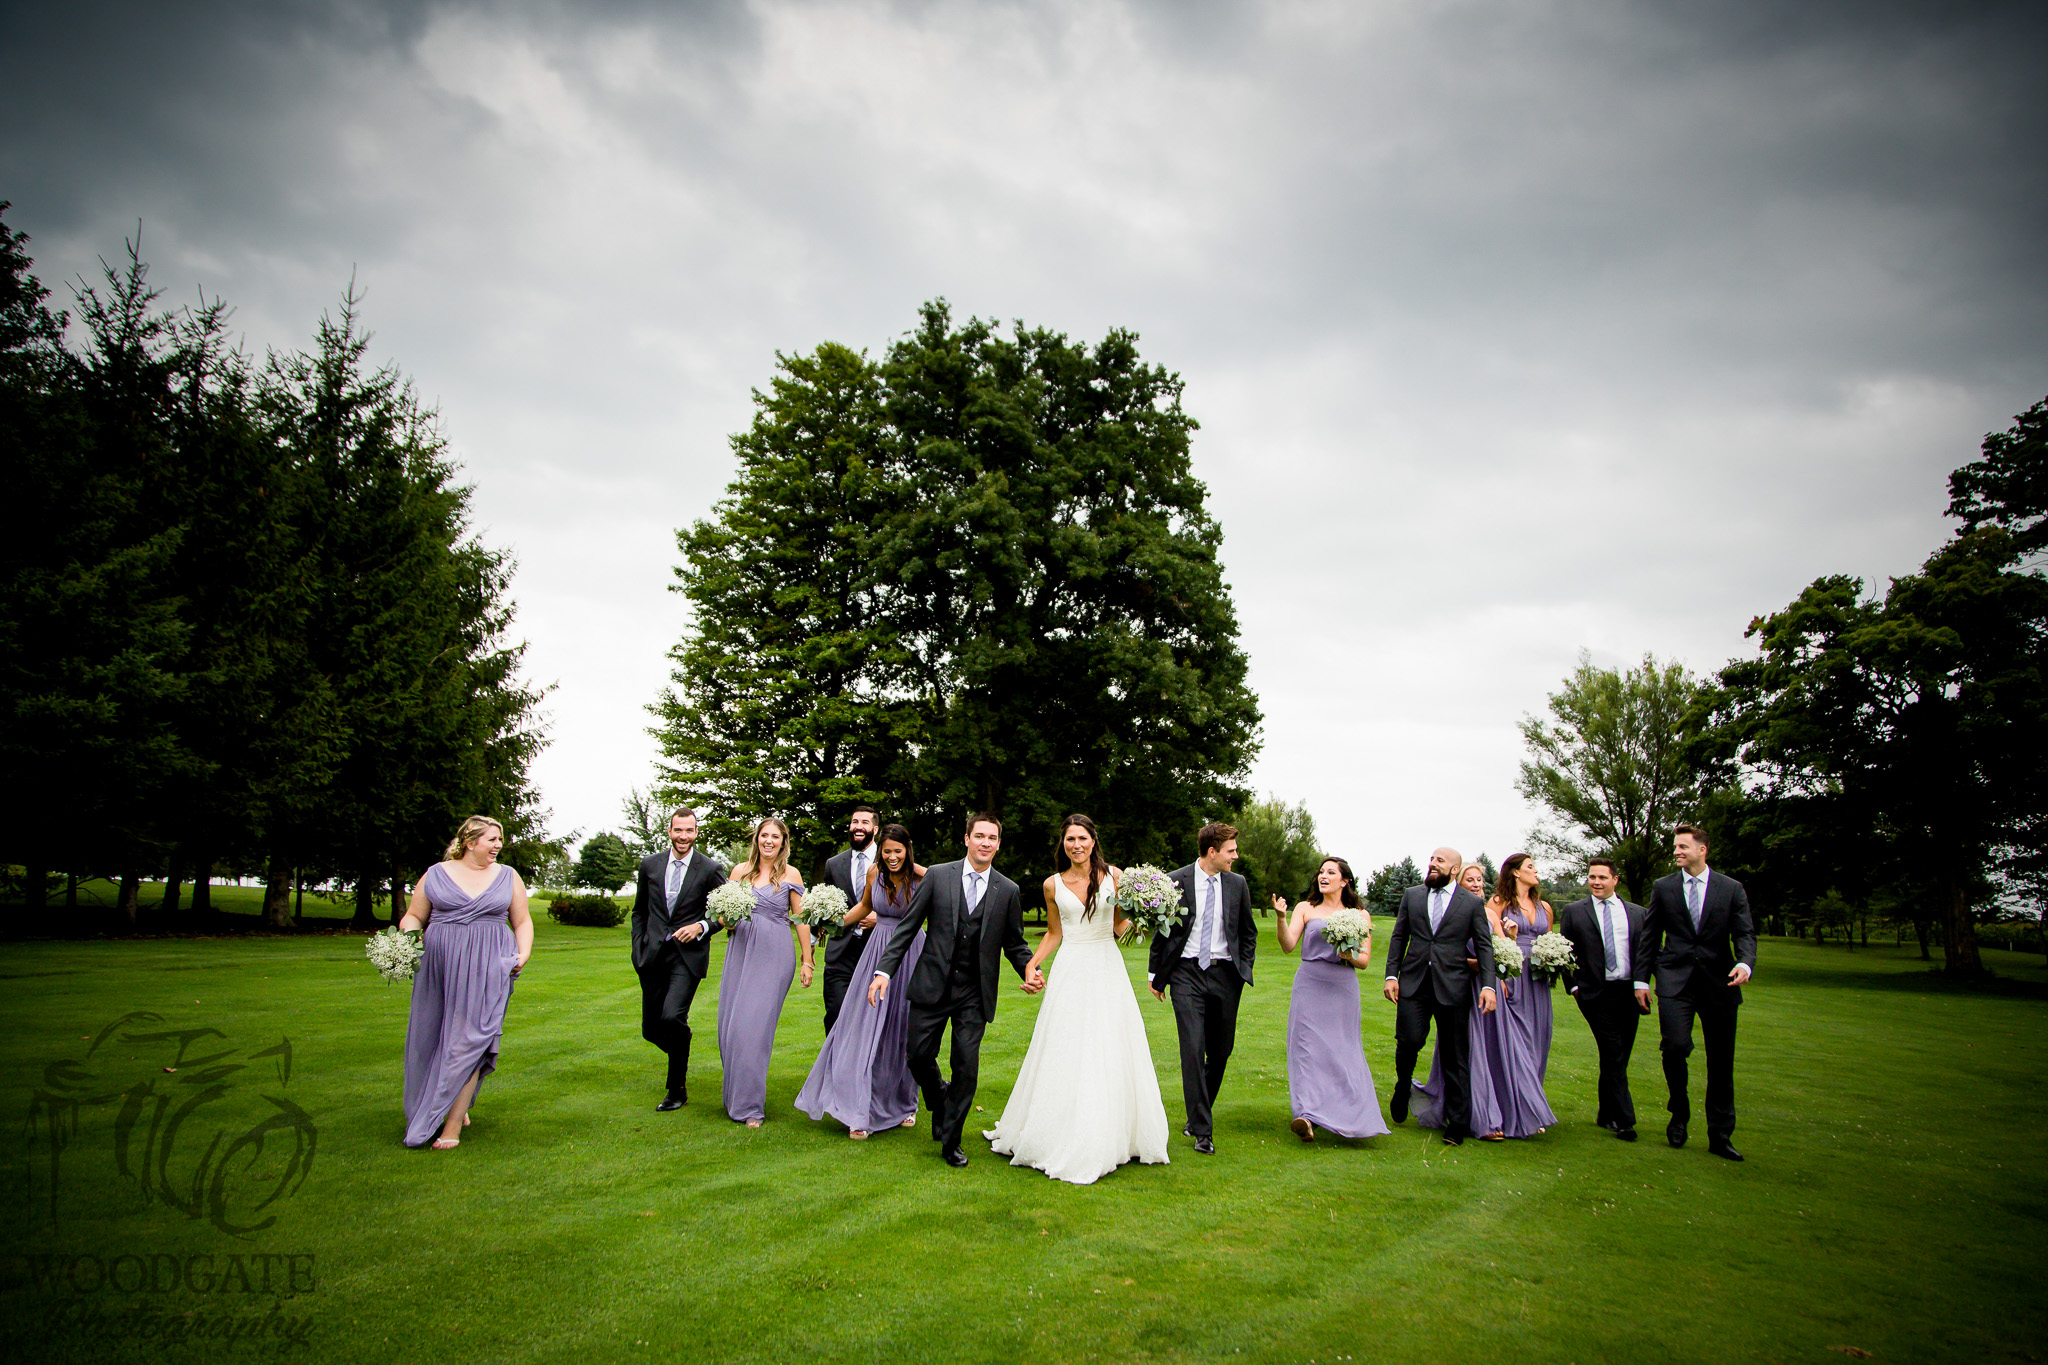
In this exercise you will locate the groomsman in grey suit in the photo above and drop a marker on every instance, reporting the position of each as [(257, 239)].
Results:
[(1428, 981), (672, 946), (1699, 942), (1206, 962), (848, 870), (1604, 930), (973, 919)]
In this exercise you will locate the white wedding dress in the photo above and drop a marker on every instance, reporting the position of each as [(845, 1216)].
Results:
[(1087, 1098)]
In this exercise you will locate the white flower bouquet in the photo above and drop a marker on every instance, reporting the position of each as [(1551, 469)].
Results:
[(1148, 898), (1551, 957), (730, 903), (1347, 931), (1507, 958), (395, 953), (824, 909)]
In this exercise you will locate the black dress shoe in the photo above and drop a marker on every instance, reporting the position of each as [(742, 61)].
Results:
[(1674, 1133), (1398, 1106), (1453, 1140), (1721, 1147), (1625, 1134), (676, 1100), (1205, 1146), (954, 1157)]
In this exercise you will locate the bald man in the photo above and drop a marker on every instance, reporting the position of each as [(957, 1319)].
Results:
[(1440, 925)]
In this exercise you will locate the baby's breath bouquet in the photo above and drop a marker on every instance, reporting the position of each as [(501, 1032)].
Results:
[(1148, 898), (824, 909), (1347, 930), (1507, 958), (395, 953), (729, 904), (1551, 957)]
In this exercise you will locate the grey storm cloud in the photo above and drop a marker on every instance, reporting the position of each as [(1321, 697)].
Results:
[(1514, 328)]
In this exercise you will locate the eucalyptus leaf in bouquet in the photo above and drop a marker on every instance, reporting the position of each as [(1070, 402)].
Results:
[(1148, 898), (824, 909), (730, 904), (395, 953), (1347, 931), (1551, 957)]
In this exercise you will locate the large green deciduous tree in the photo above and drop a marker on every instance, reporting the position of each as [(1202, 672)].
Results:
[(1610, 768), (1278, 845), (979, 575)]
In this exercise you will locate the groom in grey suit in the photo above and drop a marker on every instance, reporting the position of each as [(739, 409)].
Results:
[(1206, 962), (972, 918)]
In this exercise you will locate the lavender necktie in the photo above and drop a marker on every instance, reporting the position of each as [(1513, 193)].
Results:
[(973, 893), (675, 882), (1614, 964), (1692, 901), (1207, 927)]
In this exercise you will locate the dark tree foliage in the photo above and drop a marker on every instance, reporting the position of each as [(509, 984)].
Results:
[(979, 575), (604, 863), (243, 621), (2008, 487), (1382, 895)]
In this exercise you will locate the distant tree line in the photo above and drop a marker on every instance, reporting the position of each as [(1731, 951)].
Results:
[(1882, 753), (244, 623), (975, 574)]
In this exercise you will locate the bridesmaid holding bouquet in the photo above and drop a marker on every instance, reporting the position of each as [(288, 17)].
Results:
[(759, 964), (1328, 1081)]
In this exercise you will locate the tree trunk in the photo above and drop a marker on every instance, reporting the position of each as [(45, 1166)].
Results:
[(35, 888), (174, 885), (71, 891), (1920, 932), (365, 917), (299, 886), (202, 888), (397, 894), (131, 896), (1963, 958), (277, 893)]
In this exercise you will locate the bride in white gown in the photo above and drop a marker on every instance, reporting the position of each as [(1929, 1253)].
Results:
[(1087, 1098)]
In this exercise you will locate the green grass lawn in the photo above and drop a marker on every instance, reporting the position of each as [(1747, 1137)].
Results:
[(1892, 1201)]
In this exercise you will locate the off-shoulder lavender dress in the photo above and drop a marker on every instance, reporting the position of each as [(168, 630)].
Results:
[(862, 1075), (1328, 1081), (760, 962), (459, 993)]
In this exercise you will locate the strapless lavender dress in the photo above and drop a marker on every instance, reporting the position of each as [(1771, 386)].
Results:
[(862, 1075), (1328, 1081), (459, 994), (760, 963)]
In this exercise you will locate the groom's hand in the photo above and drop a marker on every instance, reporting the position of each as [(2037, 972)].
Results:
[(1739, 975), (1487, 1000), (1158, 994), (878, 989), (1392, 990)]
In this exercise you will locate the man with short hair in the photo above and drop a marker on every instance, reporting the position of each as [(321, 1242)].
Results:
[(1206, 962), (1603, 929), (1429, 982), (671, 946), (973, 919), (848, 870), (1699, 943)]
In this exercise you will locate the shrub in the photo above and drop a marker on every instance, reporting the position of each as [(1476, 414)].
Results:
[(2015, 936), (598, 912)]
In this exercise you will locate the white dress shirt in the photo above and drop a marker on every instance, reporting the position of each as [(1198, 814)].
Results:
[(1609, 913), (1219, 943)]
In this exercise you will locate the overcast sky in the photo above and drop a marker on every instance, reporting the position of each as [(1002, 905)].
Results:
[(1513, 329)]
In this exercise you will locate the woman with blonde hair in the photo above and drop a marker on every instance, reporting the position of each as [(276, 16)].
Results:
[(478, 937), (759, 963)]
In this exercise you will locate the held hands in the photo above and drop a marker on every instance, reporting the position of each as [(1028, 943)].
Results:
[(1487, 1000), (868, 920), (1034, 980)]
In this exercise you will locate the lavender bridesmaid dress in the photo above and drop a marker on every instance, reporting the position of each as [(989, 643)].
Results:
[(1522, 1025), (1328, 1082), (760, 962), (459, 993), (862, 1075), (1426, 1104)]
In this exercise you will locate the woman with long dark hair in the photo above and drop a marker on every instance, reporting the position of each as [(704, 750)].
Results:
[(1521, 1026), (1086, 1099), (862, 1075), (1328, 1081)]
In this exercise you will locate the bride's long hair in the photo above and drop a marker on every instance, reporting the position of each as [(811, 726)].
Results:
[(1098, 867)]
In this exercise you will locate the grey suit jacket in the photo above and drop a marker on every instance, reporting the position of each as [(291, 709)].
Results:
[(1415, 954), (1680, 956), (1579, 923), (1240, 929), (938, 907)]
